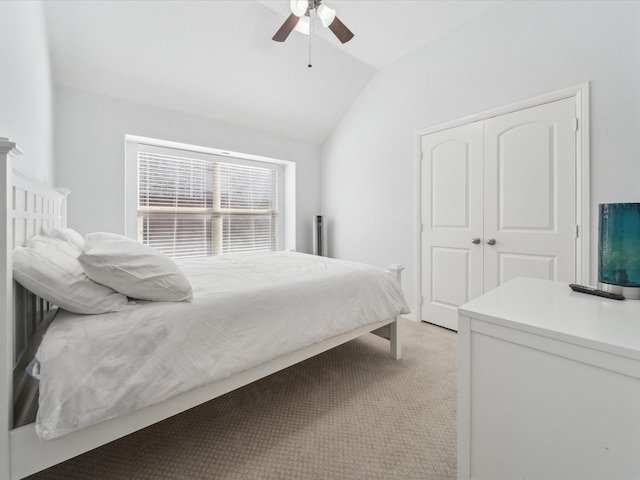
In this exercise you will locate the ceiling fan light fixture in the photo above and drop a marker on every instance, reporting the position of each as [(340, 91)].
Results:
[(300, 20), (303, 25), (326, 15), (299, 7)]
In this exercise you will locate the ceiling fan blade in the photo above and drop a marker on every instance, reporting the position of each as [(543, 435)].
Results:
[(286, 28), (340, 30)]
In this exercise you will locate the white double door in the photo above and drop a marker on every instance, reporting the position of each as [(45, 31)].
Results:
[(498, 201)]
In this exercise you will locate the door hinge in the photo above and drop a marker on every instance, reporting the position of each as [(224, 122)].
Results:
[(576, 124), (577, 231)]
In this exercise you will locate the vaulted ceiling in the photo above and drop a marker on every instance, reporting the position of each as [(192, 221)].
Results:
[(216, 59)]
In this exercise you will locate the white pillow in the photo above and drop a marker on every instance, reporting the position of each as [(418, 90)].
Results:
[(49, 267), (133, 269), (66, 234)]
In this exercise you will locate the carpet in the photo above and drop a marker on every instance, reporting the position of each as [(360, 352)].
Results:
[(350, 413)]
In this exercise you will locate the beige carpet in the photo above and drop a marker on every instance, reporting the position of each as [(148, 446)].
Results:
[(350, 413)]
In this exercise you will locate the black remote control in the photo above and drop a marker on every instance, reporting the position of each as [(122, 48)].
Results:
[(595, 291)]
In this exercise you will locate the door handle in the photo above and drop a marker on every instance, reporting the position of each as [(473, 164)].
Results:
[(475, 240), (491, 241)]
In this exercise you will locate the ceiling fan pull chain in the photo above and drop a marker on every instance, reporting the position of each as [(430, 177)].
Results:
[(310, 35)]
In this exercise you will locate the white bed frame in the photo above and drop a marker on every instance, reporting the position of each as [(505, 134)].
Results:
[(29, 207)]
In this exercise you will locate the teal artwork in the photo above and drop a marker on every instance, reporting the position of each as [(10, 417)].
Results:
[(619, 246)]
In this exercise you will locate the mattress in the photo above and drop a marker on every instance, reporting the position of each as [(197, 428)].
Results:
[(246, 310)]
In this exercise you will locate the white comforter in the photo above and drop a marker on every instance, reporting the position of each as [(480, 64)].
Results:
[(246, 310)]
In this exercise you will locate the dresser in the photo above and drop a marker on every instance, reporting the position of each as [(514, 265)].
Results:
[(548, 385)]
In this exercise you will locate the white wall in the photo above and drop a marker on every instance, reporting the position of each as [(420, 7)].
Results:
[(517, 51), (26, 87), (25, 118), (90, 151)]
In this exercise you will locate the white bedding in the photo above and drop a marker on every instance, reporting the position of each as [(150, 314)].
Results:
[(246, 310)]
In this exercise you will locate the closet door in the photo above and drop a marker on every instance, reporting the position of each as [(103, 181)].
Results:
[(530, 194), (507, 183), (452, 211)]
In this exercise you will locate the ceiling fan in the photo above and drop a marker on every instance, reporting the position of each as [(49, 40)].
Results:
[(300, 18)]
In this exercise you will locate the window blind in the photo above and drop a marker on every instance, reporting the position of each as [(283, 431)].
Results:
[(191, 207)]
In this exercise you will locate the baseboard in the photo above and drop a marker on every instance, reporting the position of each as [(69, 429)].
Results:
[(411, 316)]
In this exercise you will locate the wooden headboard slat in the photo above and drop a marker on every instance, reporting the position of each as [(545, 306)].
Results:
[(32, 208), (35, 207)]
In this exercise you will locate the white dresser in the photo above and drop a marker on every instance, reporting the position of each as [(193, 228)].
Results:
[(548, 385)]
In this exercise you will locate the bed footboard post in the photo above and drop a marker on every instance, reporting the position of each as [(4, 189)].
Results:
[(394, 334), (396, 271), (394, 328)]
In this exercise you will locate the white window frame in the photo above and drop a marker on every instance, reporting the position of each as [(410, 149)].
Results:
[(286, 194)]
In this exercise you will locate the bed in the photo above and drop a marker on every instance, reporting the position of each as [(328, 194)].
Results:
[(27, 447)]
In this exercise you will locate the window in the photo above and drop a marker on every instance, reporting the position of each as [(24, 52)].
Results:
[(192, 204)]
